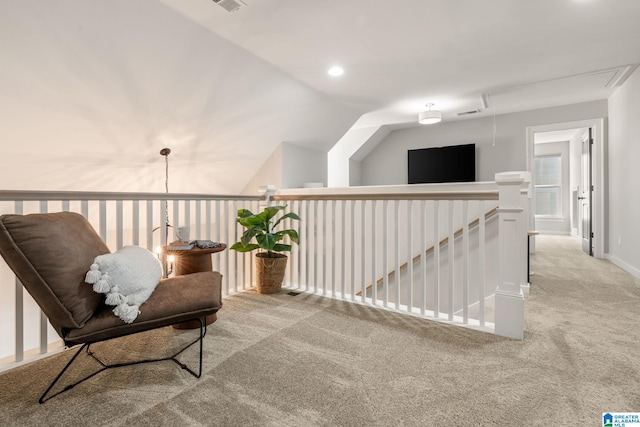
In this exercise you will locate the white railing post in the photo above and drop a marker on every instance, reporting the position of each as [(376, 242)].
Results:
[(509, 299), (267, 191)]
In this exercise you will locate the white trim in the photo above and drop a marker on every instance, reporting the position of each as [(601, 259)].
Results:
[(509, 314), (623, 265), (32, 355), (599, 188)]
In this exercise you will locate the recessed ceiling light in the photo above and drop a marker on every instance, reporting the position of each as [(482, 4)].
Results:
[(336, 71)]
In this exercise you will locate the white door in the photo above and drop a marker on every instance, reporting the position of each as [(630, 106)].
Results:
[(586, 194)]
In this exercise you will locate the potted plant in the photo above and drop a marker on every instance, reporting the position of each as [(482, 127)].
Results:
[(270, 262)]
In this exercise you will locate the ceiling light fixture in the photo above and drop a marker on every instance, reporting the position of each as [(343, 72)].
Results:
[(336, 71), (430, 116), (165, 153)]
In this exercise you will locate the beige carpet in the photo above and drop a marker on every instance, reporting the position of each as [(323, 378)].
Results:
[(307, 361)]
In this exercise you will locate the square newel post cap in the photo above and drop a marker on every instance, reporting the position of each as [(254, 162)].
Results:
[(509, 185), (266, 191)]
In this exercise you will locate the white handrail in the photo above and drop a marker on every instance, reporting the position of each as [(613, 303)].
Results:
[(11, 195)]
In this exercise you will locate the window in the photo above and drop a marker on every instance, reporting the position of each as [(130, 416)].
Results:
[(548, 185)]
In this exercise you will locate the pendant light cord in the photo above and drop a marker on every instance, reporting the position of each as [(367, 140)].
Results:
[(166, 174), (495, 129), (166, 188), (165, 152)]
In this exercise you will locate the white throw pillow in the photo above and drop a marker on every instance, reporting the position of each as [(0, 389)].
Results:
[(127, 277)]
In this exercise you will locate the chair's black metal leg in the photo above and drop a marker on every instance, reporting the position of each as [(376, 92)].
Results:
[(203, 332), (105, 366), (70, 386), (42, 399)]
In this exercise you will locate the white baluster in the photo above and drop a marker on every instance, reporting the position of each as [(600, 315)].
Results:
[(374, 248), (451, 260), (423, 256), (465, 261), (481, 263), (436, 257), (119, 224), (409, 254), (363, 251), (150, 225), (385, 254), (19, 304), (135, 223)]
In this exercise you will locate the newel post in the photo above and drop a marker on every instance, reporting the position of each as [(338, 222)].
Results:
[(509, 299), (267, 191), (523, 221)]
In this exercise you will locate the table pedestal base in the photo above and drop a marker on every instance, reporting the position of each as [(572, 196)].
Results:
[(193, 261)]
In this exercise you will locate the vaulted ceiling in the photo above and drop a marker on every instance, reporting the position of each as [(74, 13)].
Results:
[(464, 55)]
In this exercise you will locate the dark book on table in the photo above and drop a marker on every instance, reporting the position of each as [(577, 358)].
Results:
[(205, 244)]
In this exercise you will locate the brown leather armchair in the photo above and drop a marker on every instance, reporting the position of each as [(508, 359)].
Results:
[(51, 253)]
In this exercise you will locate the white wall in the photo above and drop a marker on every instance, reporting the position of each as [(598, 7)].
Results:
[(269, 173), (340, 156), (90, 91), (289, 166), (624, 175), (387, 163), (561, 225), (302, 165)]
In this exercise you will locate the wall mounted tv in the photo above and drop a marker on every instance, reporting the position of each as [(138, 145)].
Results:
[(456, 163)]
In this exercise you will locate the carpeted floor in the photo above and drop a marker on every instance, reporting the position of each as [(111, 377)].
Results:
[(304, 360)]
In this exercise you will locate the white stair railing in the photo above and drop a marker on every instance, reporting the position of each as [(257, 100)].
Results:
[(423, 250), (383, 247), (437, 251)]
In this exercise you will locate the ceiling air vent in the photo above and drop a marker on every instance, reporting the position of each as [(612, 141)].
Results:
[(229, 5), (466, 113)]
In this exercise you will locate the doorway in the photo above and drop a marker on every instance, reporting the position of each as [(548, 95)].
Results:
[(585, 199), (587, 220), (553, 176)]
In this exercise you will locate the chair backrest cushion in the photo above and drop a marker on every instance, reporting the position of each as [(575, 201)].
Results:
[(50, 254)]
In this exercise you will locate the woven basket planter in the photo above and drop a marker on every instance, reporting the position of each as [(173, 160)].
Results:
[(270, 272)]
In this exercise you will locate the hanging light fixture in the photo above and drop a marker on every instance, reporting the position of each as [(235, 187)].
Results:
[(165, 153), (430, 116), (167, 264)]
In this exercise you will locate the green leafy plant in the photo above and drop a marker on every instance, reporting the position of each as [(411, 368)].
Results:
[(262, 226)]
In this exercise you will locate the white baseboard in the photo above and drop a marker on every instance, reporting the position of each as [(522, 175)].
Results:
[(623, 265)]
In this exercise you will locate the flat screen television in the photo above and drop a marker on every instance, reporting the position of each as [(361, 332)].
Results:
[(456, 163)]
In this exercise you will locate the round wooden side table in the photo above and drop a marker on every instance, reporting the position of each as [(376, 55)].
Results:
[(189, 261)]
